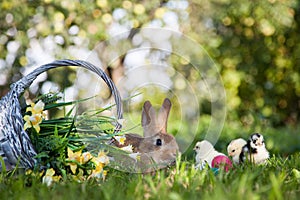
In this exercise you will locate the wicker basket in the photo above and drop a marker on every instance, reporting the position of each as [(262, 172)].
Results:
[(15, 145)]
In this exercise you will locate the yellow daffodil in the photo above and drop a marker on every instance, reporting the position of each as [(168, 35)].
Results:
[(36, 108), (101, 159), (79, 177), (104, 173), (74, 156), (49, 177), (36, 116), (33, 121), (35, 174), (99, 162), (28, 172), (96, 173), (121, 139)]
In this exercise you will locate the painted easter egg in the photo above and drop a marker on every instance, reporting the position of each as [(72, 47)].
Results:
[(221, 162)]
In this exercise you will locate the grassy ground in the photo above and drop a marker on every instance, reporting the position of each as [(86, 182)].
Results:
[(279, 179)]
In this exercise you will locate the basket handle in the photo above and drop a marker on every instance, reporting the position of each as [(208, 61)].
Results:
[(27, 80)]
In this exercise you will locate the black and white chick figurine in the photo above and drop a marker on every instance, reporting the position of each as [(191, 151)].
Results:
[(255, 150), (234, 149)]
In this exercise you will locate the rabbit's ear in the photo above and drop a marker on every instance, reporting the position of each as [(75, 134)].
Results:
[(145, 113), (163, 115), (148, 119)]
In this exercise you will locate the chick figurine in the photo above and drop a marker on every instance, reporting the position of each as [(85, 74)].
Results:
[(255, 150), (234, 149), (206, 154)]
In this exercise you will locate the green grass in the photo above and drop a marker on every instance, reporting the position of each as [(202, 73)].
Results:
[(279, 179)]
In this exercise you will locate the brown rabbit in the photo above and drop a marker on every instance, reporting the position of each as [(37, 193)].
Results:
[(157, 148)]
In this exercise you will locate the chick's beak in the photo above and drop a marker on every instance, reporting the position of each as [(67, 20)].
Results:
[(260, 143)]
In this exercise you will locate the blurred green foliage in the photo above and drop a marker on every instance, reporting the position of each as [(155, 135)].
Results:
[(257, 48), (255, 44)]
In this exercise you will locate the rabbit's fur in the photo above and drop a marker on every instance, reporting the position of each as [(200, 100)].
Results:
[(157, 148)]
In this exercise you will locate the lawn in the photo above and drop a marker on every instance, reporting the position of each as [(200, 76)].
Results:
[(278, 179)]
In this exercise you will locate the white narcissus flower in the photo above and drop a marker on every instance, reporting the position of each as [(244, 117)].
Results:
[(121, 139), (49, 177), (128, 148), (135, 156)]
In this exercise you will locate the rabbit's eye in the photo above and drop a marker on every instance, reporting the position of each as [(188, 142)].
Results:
[(158, 142), (233, 150)]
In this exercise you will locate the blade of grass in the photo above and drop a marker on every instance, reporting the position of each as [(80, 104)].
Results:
[(63, 104)]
